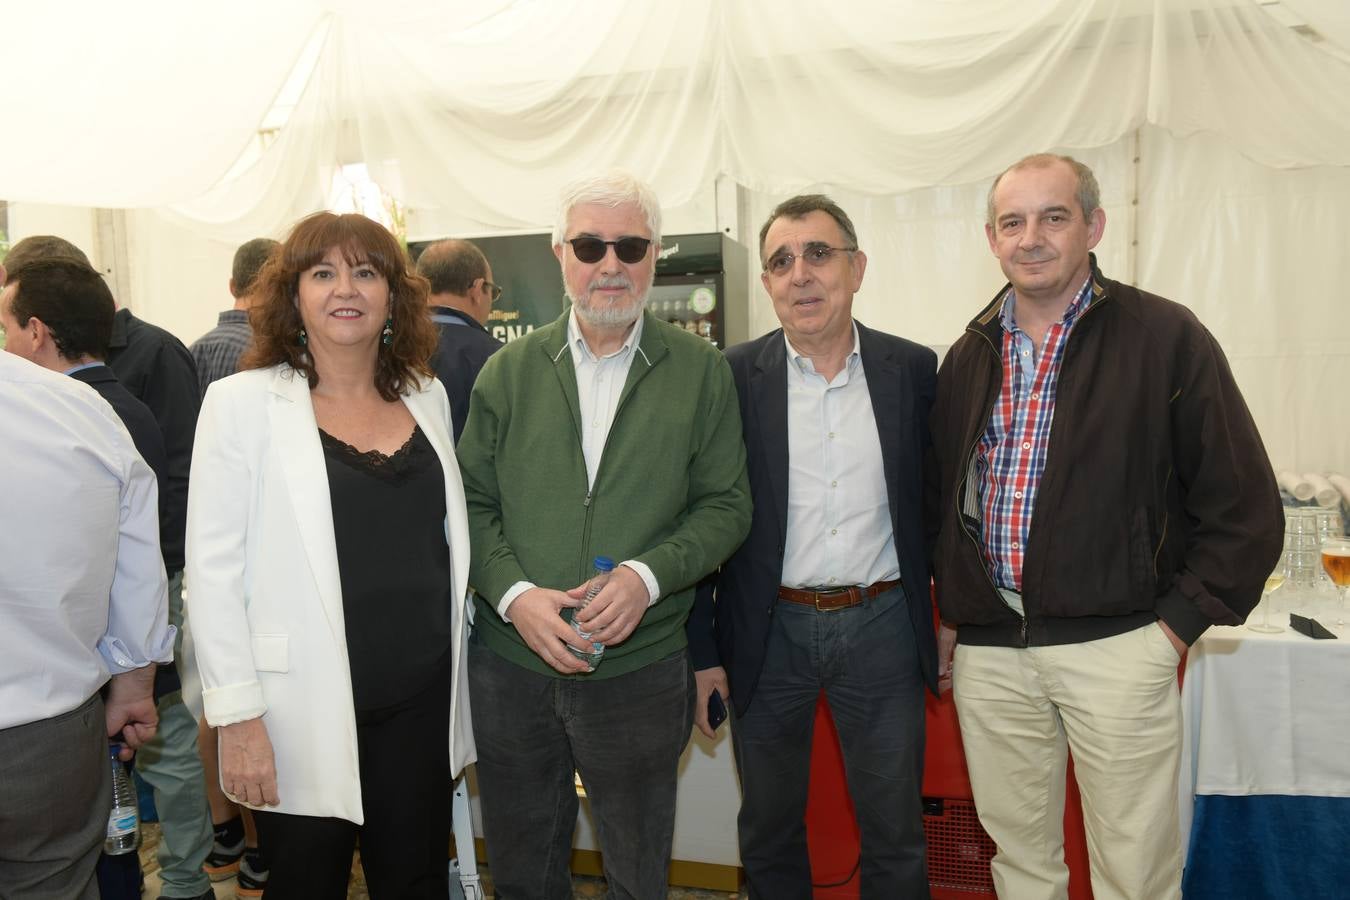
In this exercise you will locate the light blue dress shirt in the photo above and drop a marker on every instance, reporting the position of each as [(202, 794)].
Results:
[(839, 530), (82, 584)]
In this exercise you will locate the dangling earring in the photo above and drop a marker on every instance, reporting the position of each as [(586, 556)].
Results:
[(387, 336), (302, 337)]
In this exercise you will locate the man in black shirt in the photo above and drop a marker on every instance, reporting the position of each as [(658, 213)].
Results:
[(462, 294), (156, 367)]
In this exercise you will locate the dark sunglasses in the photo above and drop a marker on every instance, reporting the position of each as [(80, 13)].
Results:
[(628, 249)]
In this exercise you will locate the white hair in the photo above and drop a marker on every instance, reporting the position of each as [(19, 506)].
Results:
[(614, 188)]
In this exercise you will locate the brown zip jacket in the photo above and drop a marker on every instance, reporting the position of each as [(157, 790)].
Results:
[(1157, 500)]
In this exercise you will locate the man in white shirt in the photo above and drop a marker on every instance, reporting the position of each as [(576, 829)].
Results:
[(83, 597), (830, 590)]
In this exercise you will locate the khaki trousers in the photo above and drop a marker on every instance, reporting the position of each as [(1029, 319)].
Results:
[(1114, 703)]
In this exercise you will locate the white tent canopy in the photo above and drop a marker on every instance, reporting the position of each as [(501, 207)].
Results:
[(1220, 132)]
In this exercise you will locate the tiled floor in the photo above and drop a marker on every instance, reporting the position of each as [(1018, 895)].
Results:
[(582, 887)]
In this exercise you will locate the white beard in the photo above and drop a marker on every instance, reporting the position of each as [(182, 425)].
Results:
[(608, 315)]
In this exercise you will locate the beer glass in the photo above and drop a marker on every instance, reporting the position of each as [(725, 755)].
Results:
[(1273, 582), (1336, 561)]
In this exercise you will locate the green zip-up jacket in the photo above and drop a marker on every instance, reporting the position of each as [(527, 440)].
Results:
[(671, 489)]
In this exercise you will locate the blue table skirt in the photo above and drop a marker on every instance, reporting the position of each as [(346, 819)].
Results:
[(1268, 846)]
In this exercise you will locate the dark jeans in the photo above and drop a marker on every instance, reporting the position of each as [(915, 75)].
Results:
[(865, 660), (624, 735), (405, 794)]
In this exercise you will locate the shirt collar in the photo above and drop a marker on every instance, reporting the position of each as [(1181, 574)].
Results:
[(233, 315), (1071, 313), (82, 366), (458, 315), (804, 364), (580, 350)]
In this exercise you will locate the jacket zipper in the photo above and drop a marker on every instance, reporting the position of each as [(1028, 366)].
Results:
[(960, 518), (585, 535), (1162, 538), (599, 470), (1092, 307)]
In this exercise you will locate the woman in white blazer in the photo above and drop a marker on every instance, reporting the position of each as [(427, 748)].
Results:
[(327, 557)]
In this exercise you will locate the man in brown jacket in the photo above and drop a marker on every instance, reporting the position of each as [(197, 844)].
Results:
[(1103, 497)]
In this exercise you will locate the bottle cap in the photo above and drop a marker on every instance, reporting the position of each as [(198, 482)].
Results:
[(604, 564)]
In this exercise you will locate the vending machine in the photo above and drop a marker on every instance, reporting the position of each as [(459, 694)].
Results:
[(702, 285)]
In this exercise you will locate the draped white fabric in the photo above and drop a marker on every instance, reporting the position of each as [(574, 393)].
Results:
[(485, 111), (1220, 135)]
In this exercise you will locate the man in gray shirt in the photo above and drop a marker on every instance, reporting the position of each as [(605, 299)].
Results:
[(217, 352)]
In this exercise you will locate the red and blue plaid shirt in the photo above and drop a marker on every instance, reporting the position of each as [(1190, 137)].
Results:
[(1010, 457)]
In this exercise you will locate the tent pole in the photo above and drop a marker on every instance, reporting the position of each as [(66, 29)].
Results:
[(1135, 154)]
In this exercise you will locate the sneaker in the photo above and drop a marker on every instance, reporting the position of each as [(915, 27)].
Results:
[(209, 895), (252, 877), (223, 862), (228, 849)]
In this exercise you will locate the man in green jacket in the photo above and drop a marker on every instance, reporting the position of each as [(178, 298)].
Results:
[(605, 433)]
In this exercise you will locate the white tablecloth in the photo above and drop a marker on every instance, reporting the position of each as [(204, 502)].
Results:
[(1265, 714)]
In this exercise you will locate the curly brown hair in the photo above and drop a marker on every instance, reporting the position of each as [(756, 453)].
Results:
[(275, 317)]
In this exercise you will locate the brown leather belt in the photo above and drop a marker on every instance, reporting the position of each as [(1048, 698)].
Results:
[(835, 598)]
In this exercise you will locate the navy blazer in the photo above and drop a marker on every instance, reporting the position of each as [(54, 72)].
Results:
[(145, 434), (138, 419), (462, 349), (729, 625)]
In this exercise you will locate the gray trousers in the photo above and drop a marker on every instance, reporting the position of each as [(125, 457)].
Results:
[(169, 763), (55, 793)]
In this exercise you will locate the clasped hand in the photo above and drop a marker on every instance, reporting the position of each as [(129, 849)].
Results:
[(609, 618)]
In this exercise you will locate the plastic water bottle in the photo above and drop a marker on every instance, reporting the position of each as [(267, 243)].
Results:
[(124, 821), (603, 566)]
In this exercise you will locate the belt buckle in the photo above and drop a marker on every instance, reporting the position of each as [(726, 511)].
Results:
[(833, 593)]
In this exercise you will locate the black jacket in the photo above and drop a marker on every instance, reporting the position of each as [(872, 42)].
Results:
[(729, 625), (1157, 500), (158, 370), (464, 347)]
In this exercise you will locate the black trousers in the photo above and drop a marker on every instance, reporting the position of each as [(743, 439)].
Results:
[(406, 794)]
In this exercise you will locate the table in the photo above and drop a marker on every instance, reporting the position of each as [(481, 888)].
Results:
[(1265, 765)]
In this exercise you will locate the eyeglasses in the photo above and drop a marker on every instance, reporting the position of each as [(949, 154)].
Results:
[(495, 288), (815, 256), (627, 249)]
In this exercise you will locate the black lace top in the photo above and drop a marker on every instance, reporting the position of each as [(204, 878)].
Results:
[(389, 525)]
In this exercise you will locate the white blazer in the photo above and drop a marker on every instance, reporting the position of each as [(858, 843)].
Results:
[(264, 593)]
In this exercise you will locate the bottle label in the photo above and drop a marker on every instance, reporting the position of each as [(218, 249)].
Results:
[(122, 821)]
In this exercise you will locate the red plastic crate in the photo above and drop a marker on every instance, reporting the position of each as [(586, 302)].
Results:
[(958, 858)]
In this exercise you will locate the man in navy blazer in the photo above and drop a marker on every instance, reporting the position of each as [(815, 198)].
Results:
[(830, 591), (62, 322)]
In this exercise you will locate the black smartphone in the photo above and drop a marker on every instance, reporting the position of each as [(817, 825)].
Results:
[(717, 710)]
